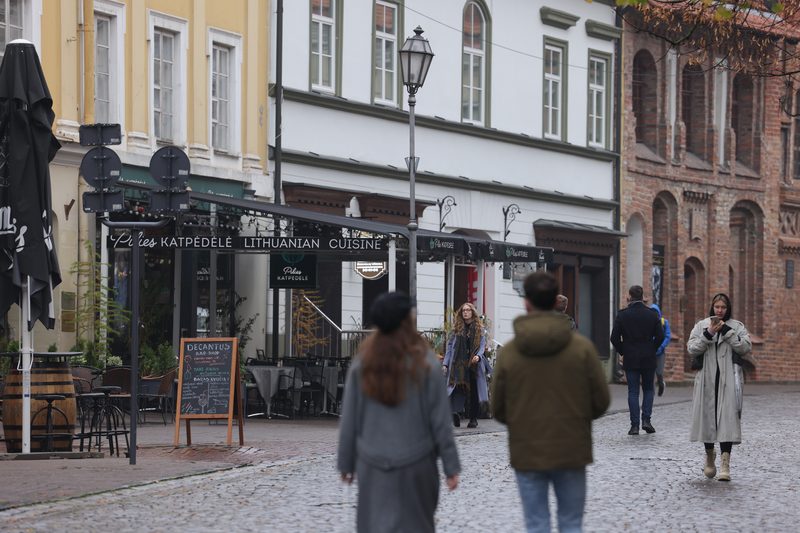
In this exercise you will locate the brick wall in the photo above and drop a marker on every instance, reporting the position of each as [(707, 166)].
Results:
[(724, 228)]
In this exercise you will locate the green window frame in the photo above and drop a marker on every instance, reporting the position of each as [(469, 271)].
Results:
[(554, 89), (598, 110), (386, 29), (473, 64), (325, 45)]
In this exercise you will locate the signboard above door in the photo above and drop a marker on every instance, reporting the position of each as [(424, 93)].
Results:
[(371, 270)]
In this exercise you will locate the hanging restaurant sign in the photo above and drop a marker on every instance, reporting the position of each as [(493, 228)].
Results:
[(293, 271), (371, 270), (266, 243)]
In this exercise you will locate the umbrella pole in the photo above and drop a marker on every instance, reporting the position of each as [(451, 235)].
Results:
[(27, 361)]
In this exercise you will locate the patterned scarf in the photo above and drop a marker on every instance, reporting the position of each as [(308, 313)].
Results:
[(462, 353)]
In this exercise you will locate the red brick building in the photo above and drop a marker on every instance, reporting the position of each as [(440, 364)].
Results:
[(710, 195)]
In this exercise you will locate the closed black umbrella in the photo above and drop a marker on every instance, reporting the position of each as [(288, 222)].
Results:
[(27, 145)]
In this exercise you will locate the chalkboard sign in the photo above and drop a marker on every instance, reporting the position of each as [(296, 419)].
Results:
[(207, 378)]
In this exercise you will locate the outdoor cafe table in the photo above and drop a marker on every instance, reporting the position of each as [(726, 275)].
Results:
[(267, 381)]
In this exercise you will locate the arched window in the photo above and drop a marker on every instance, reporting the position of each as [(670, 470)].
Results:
[(693, 109), (742, 121), (696, 300), (645, 99), (663, 278), (796, 173), (634, 251), (473, 65), (747, 264)]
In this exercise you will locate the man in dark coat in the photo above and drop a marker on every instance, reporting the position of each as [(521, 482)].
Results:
[(547, 387), (636, 336)]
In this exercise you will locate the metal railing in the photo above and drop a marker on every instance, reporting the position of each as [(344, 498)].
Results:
[(329, 341)]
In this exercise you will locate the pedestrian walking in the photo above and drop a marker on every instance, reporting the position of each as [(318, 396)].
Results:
[(466, 366), (395, 423), (719, 346), (661, 352), (561, 306), (636, 336), (547, 387)]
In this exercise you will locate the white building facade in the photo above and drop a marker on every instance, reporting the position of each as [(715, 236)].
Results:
[(515, 122)]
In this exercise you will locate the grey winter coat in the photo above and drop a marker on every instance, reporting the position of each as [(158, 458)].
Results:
[(393, 451), (724, 425), (484, 367)]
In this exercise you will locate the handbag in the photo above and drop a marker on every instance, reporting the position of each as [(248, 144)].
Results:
[(738, 388), (697, 361)]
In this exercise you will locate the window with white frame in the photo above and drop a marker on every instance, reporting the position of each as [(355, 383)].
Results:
[(225, 90), (554, 89), (168, 38), (220, 97), (323, 47), (11, 22), (598, 100), (473, 64), (384, 72), (102, 68), (164, 75), (721, 110)]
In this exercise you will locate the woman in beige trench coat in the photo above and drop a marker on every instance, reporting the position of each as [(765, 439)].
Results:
[(720, 343)]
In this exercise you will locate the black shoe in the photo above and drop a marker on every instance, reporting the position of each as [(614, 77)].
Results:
[(648, 427), (456, 420), (661, 386), (634, 430), (473, 423)]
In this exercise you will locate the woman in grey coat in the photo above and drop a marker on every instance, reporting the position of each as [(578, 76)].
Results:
[(395, 424), (466, 366), (720, 343)]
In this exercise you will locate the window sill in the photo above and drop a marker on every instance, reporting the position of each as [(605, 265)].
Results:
[(645, 153), (744, 171), (695, 162)]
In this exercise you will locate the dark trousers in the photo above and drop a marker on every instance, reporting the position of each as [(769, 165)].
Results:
[(640, 377), (459, 401)]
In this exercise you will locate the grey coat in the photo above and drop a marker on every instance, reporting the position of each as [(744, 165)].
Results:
[(724, 425), (393, 451), (483, 367)]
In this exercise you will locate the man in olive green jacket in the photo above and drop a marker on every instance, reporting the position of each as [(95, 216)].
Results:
[(547, 387)]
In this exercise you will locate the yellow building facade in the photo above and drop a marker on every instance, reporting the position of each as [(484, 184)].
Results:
[(188, 73)]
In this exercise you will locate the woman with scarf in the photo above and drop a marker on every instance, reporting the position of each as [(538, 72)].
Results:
[(466, 366), (719, 346)]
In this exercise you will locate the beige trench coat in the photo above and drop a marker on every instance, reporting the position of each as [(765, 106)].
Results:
[(724, 425)]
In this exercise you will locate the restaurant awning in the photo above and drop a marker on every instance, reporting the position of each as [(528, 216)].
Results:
[(431, 245)]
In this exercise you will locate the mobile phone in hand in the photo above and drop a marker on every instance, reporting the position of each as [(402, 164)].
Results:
[(715, 319)]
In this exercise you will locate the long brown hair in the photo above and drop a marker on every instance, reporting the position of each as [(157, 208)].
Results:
[(388, 359), (459, 326)]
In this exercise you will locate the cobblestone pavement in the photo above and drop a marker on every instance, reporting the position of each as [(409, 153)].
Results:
[(644, 482)]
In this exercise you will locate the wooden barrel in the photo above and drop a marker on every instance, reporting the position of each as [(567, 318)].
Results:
[(47, 377)]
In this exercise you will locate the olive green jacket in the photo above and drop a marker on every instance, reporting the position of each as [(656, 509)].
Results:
[(547, 387)]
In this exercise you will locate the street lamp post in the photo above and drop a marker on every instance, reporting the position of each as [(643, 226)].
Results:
[(415, 60)]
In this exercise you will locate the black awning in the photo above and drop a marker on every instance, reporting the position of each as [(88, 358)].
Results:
[(431, 245), (361, 224)]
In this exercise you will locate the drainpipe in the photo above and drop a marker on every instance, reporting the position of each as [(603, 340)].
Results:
[(276, 180), (617, 166)]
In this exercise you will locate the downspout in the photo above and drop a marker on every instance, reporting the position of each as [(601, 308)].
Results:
[(276, 179), (618, 48), (81, 107)]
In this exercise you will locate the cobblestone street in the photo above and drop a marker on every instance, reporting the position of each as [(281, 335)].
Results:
[(645, 482)]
